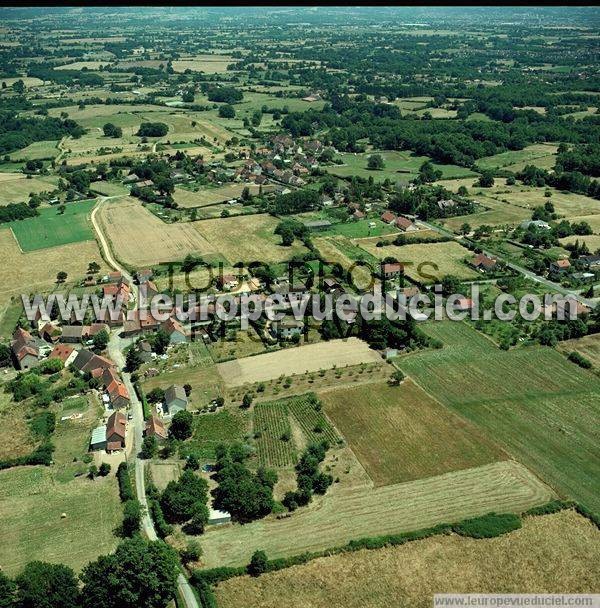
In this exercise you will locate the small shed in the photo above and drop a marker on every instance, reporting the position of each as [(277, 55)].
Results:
[(216, 517)]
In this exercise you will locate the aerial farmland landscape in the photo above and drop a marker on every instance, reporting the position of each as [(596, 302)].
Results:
[(299, 306)]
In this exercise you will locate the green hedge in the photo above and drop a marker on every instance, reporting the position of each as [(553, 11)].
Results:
[(554, 506), (125, 488), (41, 455), (488, 526)]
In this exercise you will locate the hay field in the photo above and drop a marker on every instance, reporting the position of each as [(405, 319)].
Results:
[(80, 65), (139, 238), (399, 433), (211, 64), (357, 512), (297, 360), (28, 272), (557, 553), (31, 504), (16, 188), (591, 240), (427, 262), (497, 213), (211, 196), (588, 346), (28, 81), (540, 155), (246, 238), (42, 150), (538, 406)]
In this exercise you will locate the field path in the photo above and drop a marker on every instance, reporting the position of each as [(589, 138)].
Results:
[(115, 350)]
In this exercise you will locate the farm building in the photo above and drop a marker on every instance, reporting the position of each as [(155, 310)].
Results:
[(156, 428), (560, 266), (118, 394), (177, 335), (405, 224), (318, 225), (388, 217), (392, 270), (98, 441), (65, 353), (175, 399), (25, 349), (483, 262), (287, 328), (592, 262), (115, 432)]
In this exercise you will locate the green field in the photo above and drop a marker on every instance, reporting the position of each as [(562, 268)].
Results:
[(212, 429), (42, 150), (542, 409), (540, 155), (360, 229), (51, 228), (31, 506), (399, 166)]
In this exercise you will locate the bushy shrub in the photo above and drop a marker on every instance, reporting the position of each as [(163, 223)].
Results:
[(488, 526)]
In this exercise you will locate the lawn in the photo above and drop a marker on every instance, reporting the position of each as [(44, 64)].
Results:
[(428, 262), (31, 508), (541, 408), (405, 576), (399, 433), (51, 228), (352, 513)]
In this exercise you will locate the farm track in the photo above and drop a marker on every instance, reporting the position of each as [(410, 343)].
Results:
[(365, 511)]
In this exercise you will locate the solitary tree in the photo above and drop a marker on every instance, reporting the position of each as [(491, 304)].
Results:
[(182, 425), (258, 564), (375, 162)]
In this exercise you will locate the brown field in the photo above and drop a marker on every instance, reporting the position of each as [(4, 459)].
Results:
[(427, 262), (311, 358), (140, 238), (588, 346), (28, 81), (356, 512), (17, 190), (246, 238), (400, 433), (19, 440), (36, 270), (79, 65), (591, 240), (557, 553), (592, 220), (210, 64), (164, 472)]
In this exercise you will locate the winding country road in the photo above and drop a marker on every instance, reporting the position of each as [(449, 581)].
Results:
[(115, 351)]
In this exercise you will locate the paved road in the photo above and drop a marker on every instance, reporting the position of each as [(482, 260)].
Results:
[(115, 351)]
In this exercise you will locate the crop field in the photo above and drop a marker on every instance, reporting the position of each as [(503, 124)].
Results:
[(428, 262), (534, 403), (139, 238), (31, 504), (246, 238), (399, 166), (409, 575), (399, 433), (211, 196), (210, 64), (540, 155), (51, 228), (588, 346), (364, 511), (296, 360), (27, 272), (16, 188)]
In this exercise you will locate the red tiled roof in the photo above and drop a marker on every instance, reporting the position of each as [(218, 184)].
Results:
[(62, 352)]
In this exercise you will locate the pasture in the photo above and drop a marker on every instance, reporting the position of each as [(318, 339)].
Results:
[(399, 433), (540, 155), (31, 504), (588, 346), (139, 238), (296, 360), (357, 512), (591, 240), (427, 262), (52, 228), (539, 407), (16, 188), (39, 150), (187, 198), (246, 238), (409, 575)]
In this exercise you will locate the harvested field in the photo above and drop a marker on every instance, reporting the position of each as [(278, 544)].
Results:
[(399, 433), (139, 238), (210, 64), (16, 188), (311, 358), (428, 262), (591, 240), (31, 504), (246, 238), (557, 553), (363, 511), (588, 346), (28, 272), (211, 196), (537, 405)]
